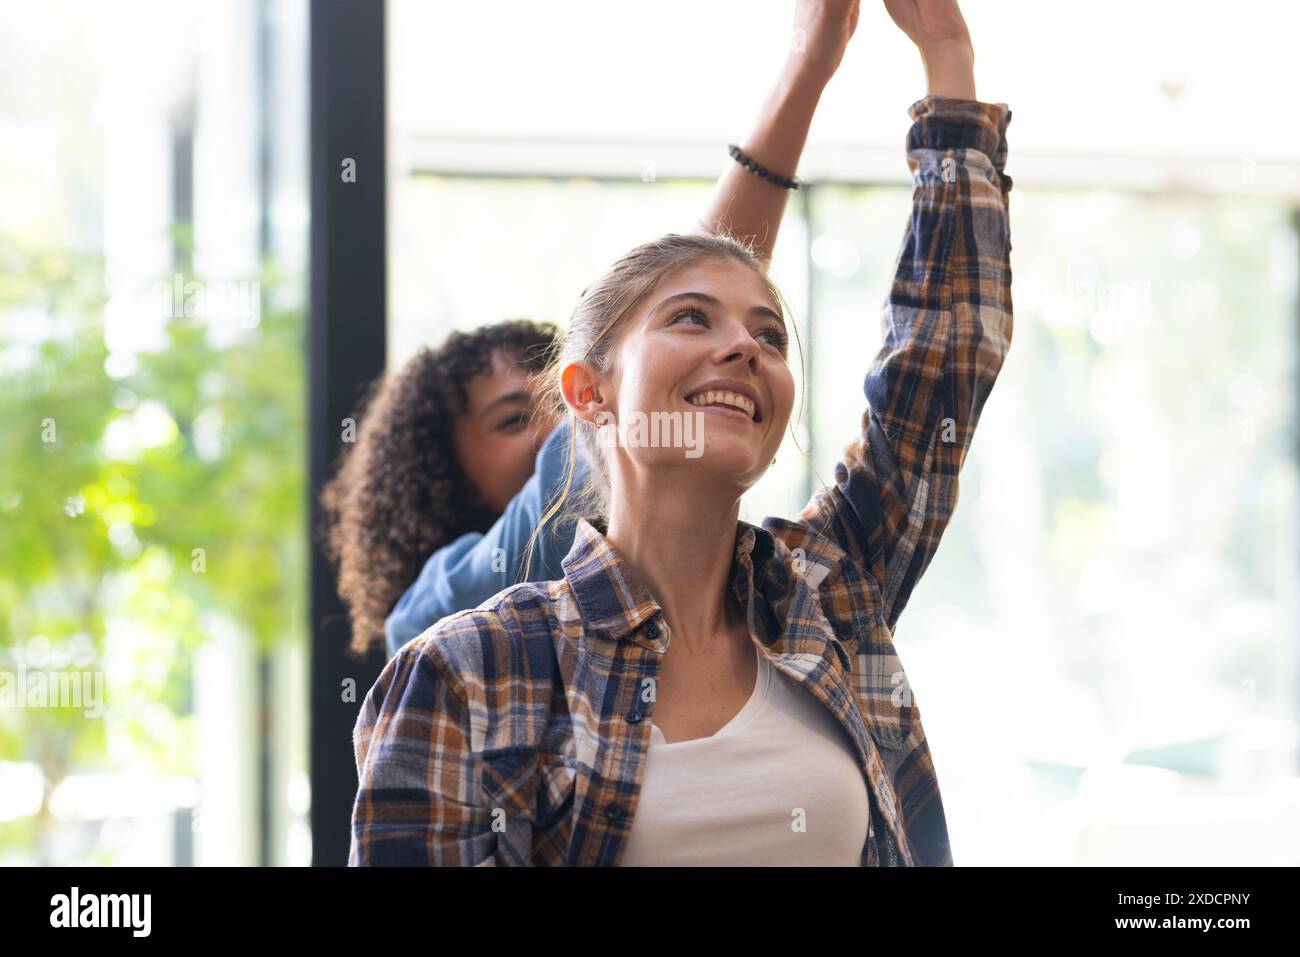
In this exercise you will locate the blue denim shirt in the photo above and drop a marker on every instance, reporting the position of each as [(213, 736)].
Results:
[(477, 565)]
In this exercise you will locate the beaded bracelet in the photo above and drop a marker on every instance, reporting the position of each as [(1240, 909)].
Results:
[(761, 171)]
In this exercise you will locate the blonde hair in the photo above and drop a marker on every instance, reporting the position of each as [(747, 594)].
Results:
[(592, 335)]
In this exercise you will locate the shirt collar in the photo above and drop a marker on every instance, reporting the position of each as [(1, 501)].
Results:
[(613, 600)]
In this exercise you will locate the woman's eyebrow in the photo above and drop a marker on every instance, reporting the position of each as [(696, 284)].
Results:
[(518, 396), (712, 301)]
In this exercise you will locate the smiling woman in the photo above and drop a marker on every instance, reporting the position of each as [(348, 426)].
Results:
[(682, 330), (674, 318), (549, 708), (650, 637)]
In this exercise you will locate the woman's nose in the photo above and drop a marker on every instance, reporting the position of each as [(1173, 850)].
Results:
[(742, 347)]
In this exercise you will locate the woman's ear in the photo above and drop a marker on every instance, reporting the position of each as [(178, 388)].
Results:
[(581, 390)]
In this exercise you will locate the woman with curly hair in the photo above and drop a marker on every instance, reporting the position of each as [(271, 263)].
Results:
[(443, 445), (698, 690), (433, 510)]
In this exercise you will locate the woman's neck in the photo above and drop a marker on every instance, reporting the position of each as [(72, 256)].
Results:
[(681, 545)]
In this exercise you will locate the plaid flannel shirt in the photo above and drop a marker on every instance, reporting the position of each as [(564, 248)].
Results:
[(516, 733)]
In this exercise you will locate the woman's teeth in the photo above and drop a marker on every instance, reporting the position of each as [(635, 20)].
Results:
[(723, 398)]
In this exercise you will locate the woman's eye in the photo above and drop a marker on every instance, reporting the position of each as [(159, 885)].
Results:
[(775, 334), (692, 312), (515, 421)]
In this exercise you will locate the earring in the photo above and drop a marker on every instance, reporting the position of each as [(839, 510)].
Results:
[(773, 461)]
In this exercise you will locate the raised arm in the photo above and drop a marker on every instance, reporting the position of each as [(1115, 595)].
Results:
[(947, 324), (743, 204)]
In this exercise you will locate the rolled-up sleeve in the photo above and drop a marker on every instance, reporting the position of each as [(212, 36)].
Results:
[(947, 324)]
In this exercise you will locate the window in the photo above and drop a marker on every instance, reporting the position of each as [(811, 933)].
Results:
[(151, 382)]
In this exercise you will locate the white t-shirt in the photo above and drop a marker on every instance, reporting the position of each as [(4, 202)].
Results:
[(731, 798)]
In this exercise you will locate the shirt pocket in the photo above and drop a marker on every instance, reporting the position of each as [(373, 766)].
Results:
[(525, 789)]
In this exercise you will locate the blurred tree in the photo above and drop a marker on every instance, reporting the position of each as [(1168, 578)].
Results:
[(134, 511)]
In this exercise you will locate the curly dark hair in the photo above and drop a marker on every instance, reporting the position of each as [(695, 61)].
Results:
[(399, 493)]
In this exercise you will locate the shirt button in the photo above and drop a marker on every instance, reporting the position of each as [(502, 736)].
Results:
[(634, 717), (614, 812), (651, 630)]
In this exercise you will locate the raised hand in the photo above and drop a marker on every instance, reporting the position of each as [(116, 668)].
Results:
[(821, 33), (931, 24), (940, 34)]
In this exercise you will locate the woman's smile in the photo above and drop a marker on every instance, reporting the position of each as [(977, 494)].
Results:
[(728, 394), (726, 411)]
